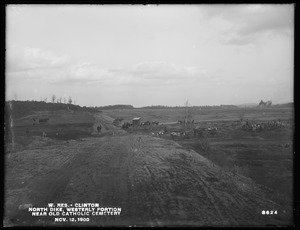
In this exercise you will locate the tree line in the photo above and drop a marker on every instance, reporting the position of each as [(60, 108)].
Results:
[(61, 100)]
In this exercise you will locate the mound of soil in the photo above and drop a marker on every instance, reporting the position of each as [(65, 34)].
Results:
[(155, 181)]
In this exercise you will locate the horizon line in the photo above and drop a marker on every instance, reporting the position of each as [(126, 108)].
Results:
[(240, 104)]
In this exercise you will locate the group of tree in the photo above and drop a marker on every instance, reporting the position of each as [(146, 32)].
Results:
[(61, 100), (265, 104)]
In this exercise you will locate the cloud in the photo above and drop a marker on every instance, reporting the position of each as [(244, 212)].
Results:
[(19, 59), (37, 58), (165, 71), (143, 74), (148, 74), (246, 24), (271, 18), (25, 64), (88, 72)]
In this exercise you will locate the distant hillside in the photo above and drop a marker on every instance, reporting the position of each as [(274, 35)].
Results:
[(247, 105), (23, 108), (252, 105), (228, 106), (115, 107), (156, 107), (284, 105), (195, 107)]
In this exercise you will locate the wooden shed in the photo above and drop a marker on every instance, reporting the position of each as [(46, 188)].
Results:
[(136, 121)]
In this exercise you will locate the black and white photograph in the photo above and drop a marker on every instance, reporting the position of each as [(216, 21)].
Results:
[(149, 115)]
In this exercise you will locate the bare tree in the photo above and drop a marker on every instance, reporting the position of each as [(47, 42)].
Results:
[(65, 100), (60, 99), (70, 100), (74, 102), (53, 98), (15, 96), (186, 110), (45, 99), (188, 114)]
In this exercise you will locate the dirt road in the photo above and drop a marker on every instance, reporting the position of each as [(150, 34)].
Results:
[(155, 182), (106, 124)]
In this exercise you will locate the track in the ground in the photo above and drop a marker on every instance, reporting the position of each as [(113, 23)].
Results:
[(154, 181)]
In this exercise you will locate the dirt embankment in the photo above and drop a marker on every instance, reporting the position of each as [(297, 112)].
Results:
[(155, 182)]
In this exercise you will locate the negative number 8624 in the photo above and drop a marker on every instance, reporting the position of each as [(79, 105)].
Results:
[(267, 212)]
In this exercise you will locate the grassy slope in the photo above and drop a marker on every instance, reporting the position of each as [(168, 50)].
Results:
[(168, 115), (72, 121), (20, 109), (266, 156)]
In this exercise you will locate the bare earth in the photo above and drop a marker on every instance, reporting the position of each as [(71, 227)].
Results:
[(155, 182)]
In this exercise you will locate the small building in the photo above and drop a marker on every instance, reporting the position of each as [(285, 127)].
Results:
[(136, 121)]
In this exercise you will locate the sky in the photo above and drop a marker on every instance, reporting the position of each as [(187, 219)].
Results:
[(146, 55)]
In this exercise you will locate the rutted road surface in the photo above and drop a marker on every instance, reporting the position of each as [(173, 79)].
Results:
[(155, 182)]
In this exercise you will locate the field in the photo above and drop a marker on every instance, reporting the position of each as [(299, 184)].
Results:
[(222, 178), (171, 115), (265, 156)]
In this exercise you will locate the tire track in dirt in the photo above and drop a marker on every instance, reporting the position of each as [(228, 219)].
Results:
[(203, 192), (221, 207), (94, 174), (50, 186), (239, 202), (163, 193), (153, 180)]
